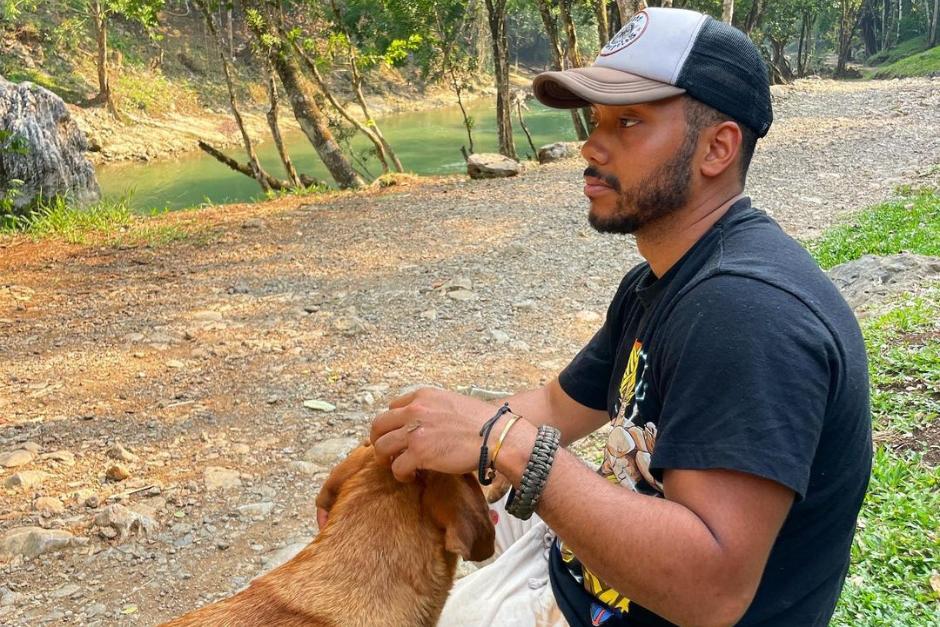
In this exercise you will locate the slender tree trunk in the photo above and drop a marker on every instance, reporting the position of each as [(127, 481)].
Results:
[(629, 8), (848, 22), (727, 11), (551, 30), (496, 10), (312, 70), (276, 128), (754, 16), (306, 110), (574, 60), (245, 169), (104, 96), (257, 171), (525, 129), (666, 3), (356, 79), (603, 28), (231, 33), (934, 25)]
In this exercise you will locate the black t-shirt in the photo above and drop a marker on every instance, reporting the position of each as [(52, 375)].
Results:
[(743, 356)]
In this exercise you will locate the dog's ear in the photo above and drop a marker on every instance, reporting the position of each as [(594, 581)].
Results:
[(456, 505), (353, 463)]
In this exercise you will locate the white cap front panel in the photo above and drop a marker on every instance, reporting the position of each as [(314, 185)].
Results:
[(653, 44)]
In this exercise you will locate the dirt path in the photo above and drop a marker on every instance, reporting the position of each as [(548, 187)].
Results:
[(201, 356)]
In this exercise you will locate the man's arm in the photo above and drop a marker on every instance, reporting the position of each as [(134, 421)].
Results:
[(551, 405), (695, 558)]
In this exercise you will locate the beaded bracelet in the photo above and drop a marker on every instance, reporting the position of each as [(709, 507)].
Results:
[(522, 504)]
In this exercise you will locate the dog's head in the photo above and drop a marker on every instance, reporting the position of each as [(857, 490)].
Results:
[(455, 503)]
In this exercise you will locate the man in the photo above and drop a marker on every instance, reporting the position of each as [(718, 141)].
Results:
[(731, 372)]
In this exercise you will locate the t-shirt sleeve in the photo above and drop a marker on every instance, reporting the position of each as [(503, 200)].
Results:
[(744, 376), (587, 377)]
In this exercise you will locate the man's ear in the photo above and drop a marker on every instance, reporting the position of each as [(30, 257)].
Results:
[(724, 146), (456, 505), (353, 463)]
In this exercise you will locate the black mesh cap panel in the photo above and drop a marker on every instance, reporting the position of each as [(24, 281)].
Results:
[(725, 71)]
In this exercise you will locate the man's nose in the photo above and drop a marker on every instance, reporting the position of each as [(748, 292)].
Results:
[(593, 149)]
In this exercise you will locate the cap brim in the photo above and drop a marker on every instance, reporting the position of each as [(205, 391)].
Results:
[(584, 86)]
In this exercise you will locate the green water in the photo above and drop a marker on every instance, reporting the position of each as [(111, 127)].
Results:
[(427, 142)]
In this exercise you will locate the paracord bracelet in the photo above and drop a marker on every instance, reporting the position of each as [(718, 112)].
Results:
[(522, 504)]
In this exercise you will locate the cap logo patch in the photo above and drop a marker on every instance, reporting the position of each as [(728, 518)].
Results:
[(628, 34)]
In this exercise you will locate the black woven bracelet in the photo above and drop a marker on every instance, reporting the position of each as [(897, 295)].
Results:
[(485, 477), (522, 504)]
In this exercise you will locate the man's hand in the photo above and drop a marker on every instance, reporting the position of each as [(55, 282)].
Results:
[(431, 429)]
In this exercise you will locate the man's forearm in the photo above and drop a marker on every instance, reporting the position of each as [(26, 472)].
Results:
[(673, 565), (550, 405)]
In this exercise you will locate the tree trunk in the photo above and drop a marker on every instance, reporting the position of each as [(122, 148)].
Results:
[(520, 103), (727, 11), (311, 66), (245, 169), (551, 29), (101, 35), (848, 22), (934, 25), (308, 114), (356, 80), (231, 34), (276, 128), (496, 11), (603, 28), (629, 8), (666, 3), (574, 60), (754, 16), (867, 25), (257, 171)]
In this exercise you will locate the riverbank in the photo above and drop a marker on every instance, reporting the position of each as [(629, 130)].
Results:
[(198, 355)]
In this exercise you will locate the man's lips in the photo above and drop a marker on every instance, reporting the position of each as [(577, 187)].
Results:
[(594, 187)]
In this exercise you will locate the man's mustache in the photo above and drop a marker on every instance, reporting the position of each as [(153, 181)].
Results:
[(610, 179)]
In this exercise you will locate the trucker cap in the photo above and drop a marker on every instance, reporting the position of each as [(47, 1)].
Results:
[(665, 52)]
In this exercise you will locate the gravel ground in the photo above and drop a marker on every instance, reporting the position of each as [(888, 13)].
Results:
[(198, 358)]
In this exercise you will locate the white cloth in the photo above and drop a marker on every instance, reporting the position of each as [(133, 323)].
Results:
[(513, 589)]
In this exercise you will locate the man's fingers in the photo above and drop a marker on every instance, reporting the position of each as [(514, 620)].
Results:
[(387, 422), (405, 466), (401, 401), (390, 445)]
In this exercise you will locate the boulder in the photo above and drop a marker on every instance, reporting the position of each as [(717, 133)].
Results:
[(30, 542), (491, 166), (871, 279), (42, 146), (117, 521), (558, 151)]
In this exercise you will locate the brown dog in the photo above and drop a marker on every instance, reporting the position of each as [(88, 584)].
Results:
[(386, 557)]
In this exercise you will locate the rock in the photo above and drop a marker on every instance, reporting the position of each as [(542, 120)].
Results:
[(12, 459), (558, 151), (588, 316), (255, 510), (26, 479), (281, 556), (462, 295), (121, 522), (92, 501), (65, 458), (500, 337), (95, 609), (207, 316), (8, 597), (350, 326), (491, 165), (175, 363), (253, 223), (65, 591), (483, 394), (48, 505), (457, 283), (318, 405), (430, 314), (30, 542), (217, 478), (525, 305), (117, 472), (52, 158), (328, 452), (871, 279), (120, 453), (519, 346), (241, 449), (305, 468), (32, 447)]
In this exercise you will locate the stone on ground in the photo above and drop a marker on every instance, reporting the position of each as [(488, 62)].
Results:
[(492, 166)]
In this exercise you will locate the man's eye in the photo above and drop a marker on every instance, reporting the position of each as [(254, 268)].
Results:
[(628, 122)]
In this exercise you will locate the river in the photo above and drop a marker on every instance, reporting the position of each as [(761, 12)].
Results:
[(427, 142)]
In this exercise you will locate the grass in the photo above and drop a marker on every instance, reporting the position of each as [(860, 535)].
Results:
[(903, 49), (109, 222), (896, 550), (910, 223), (926, 63)]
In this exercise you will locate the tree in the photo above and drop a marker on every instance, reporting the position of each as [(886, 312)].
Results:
[(551, 30), (496, 16), (629, 8), (934, 25), (307, 112), (727, 11), (142, 12), (849, 13), (603, 27)]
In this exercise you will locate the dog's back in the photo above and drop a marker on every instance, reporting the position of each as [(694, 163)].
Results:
[(387, 556)]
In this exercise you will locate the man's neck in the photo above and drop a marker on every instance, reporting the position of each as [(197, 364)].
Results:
[(663, 243)]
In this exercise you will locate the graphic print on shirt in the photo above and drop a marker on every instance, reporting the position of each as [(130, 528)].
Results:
[(630, 445)]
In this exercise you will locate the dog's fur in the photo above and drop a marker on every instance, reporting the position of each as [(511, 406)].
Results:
[(387, 556)]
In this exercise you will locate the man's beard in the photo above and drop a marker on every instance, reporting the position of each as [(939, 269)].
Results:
[(666, 190)]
